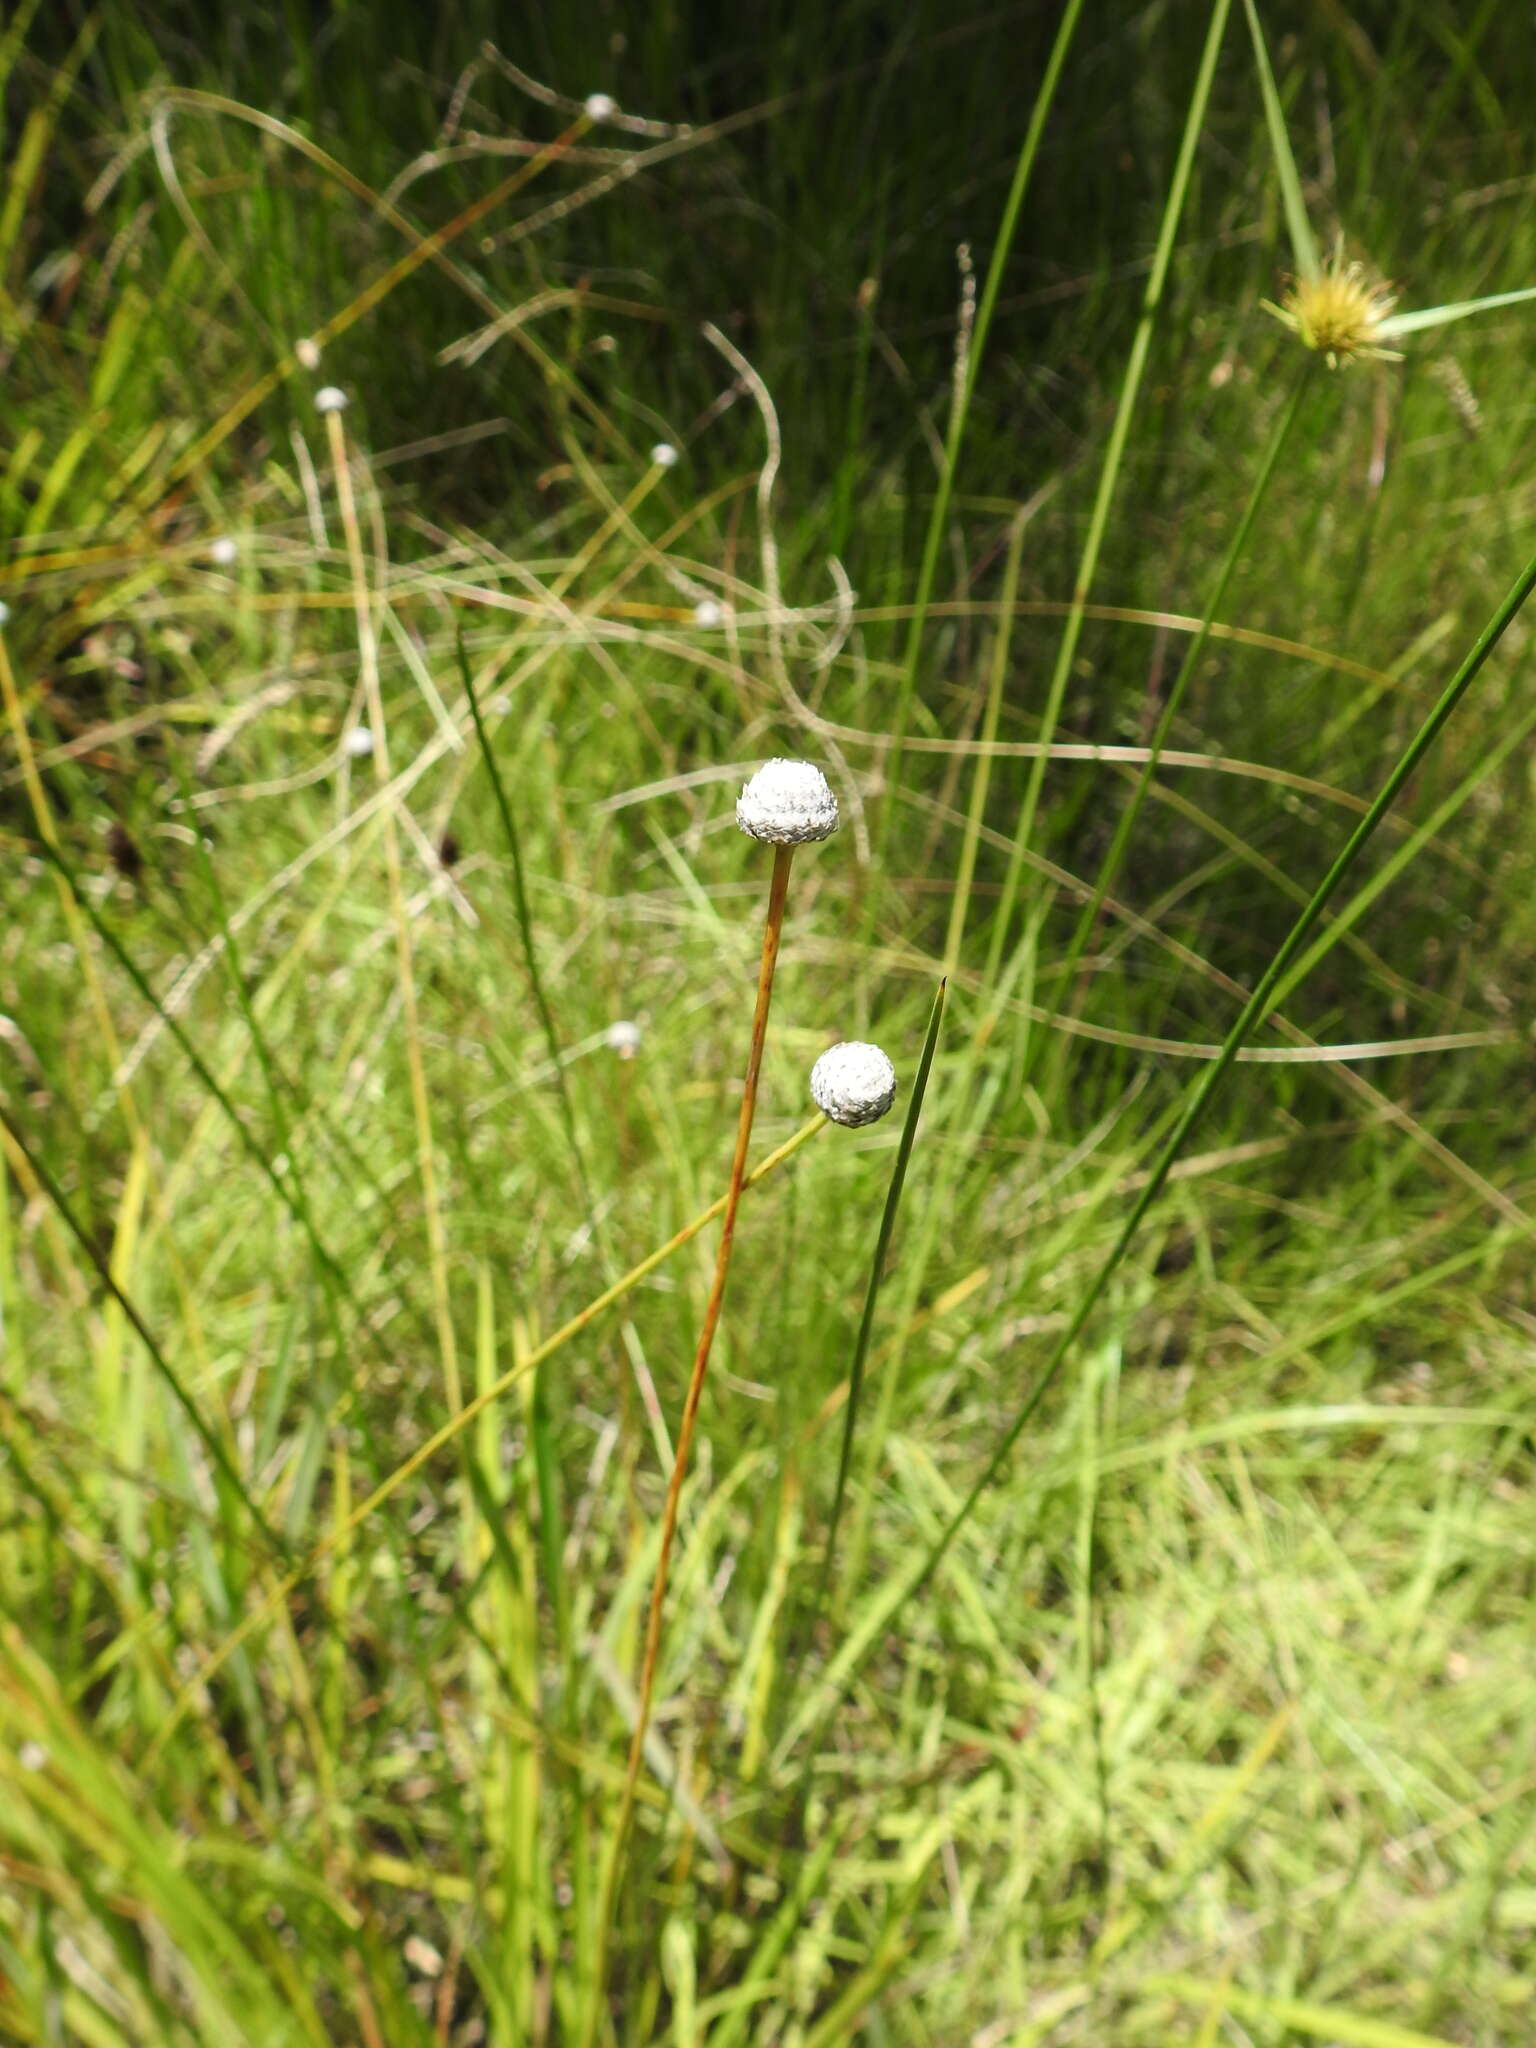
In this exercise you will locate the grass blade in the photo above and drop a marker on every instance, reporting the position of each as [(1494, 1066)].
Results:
[(872, 1299), (1303, 242), (1442, 316)]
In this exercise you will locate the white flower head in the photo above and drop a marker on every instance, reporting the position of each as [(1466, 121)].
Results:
[(5, 612), (709, 612), (306, 354), (854, 1083), (223, 551), (623, 1037), (600, 106), (358, 743), (330, 398), (664, 455), (788, 803)]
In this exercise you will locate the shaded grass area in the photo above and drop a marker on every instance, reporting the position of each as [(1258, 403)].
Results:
[(1216, 1723)]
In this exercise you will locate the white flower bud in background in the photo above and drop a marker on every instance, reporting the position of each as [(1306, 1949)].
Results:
[(623, 1038), (223, 551), (599, 106), (664, 455), (306, 354), (330, 398), (5, 612), (788, 803), (854, 1083), (709, 612), (358, 743)]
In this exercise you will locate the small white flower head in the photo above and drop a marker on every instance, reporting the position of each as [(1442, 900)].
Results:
[(358, 743), (306, 354), (5, 613), (854, 1083), (330, 398), (709, 612), (600, 106), (223, 551), (623, 1038), (788, 803), (664, 455)]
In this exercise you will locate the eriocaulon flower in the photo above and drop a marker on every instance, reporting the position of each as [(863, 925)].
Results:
[(330, 398), (600, 106), (664, 455), (853, 1083), (786, 803)]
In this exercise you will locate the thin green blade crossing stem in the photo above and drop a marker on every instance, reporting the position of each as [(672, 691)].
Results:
[(872, 1299), (525, 925)]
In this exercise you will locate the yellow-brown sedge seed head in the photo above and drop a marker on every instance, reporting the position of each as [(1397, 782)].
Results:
[(1338, 313)]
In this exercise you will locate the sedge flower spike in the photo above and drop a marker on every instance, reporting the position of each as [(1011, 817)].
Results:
[(788, 803), (1339, 313), (853, 1083)]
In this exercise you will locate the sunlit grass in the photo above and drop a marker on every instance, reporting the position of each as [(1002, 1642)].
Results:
[(352, 1258)]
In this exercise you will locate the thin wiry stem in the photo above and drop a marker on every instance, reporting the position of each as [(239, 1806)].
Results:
[(772, 929), (368, 656), (871, 1300)]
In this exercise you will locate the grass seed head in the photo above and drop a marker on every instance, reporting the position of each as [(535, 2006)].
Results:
[(1338, 313), (853, 1083), (787, 803)]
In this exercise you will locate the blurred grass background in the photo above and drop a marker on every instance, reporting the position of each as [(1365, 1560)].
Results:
[(1216, 1725)]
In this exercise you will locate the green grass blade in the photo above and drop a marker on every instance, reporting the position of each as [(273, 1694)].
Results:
[(872, 1299), (1442, 316), (1303, 242), (525, 925)]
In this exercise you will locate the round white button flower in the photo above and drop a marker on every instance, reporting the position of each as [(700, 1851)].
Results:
[(854, 1083), (5, 612), (358, 743), (330, 398), (788, 803), (306, 353), (664, 455), (708, 612), (623, 1038), (600, 106), (223, 551)]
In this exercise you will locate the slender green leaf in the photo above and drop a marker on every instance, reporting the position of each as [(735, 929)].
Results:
[(1303, 242)]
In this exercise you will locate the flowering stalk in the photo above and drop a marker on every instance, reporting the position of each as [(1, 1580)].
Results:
[(787, 803)]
